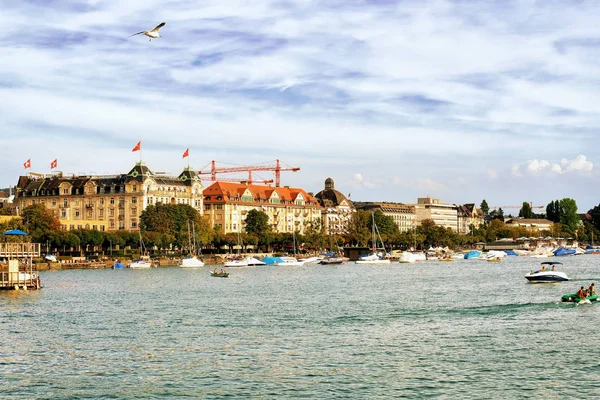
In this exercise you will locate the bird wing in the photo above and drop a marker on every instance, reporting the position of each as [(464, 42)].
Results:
[(158, 27), (139, 33)]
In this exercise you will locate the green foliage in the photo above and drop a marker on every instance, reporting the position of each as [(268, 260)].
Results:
[(569, 218), (257, 223), (525, 211), (554, 211), (485, 208), (174, 224), (39, 222), (360, 227), (595, 214)]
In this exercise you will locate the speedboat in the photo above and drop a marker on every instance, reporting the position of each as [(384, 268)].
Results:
[(236, 263), (289, 262), (334, 260), (544, 275), (191, 262), (311, 260), (141, 263)]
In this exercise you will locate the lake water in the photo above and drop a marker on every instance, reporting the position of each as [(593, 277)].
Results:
[(467, 329)]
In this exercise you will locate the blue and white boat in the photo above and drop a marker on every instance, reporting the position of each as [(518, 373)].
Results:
[(544, 276), (472, 254)]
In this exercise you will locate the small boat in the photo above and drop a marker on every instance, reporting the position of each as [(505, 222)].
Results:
[(236, 263), (221, 274), (141, 263), (118, 265), (289, 262), (494, 259), (446, 259), (573, 298), (374, 257), (191, 262), (472, 255), (334, 260), (311, 260), (544, 275)]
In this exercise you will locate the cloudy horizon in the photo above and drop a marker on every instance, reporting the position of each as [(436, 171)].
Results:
[(394, 100)]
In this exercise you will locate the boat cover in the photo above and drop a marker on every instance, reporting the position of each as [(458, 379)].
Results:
[(510, 253), (472, 254), (272, 260), (561, 251)]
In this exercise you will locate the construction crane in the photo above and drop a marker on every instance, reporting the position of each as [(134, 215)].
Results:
[(214, 170), (519, 207)]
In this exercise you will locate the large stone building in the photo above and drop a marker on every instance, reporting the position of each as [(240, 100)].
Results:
[(337, 209), (536, 224), (289, 209), (403, 214), (107, 203), (444, 215), (468, 215)]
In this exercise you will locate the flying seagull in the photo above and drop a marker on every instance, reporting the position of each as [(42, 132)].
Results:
[(153, 34)]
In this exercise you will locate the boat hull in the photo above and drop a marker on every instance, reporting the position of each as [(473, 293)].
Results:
[(140, 265), (373, 261), (220, 275), (191, 262), (573, 298), (540, 277)]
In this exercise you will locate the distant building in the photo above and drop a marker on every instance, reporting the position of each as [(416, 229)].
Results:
[(403, 214), (444, 215), (289, 209), (537, 224), (107, 203), (467, 215), (337, 209)]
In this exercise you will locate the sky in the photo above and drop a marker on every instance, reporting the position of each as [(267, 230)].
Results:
[(394, 100)]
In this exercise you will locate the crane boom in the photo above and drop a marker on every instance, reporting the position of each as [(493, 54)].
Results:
[(277, 168)]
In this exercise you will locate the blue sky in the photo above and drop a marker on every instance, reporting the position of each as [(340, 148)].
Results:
[(394, 100)]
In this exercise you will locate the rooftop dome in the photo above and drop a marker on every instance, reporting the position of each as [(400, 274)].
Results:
[(330, 197)]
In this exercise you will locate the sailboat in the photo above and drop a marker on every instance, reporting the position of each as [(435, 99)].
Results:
[(192, 261), (291, 261), (374, 258), (144, 261)]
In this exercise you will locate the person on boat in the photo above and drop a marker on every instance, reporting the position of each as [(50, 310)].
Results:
[(553, 268), (543, 268), (581, 293), (215, 270), (221, 272), (591, 290)]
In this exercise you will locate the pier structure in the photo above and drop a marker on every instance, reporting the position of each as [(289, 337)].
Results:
[(17, 271)]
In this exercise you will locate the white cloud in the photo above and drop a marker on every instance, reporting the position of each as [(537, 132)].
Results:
[(430, 184), (537, 166), (516, 170), (358, 178), (580, 163), (556, 169)]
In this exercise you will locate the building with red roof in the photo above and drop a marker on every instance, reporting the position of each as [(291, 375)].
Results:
[(289, 209)]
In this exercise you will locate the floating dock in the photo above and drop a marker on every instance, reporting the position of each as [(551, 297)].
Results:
[(17, 271)]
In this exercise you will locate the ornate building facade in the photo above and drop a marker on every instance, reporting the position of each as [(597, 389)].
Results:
[(403, 214), (337, 209), (107, 203), (468, 215), (289, 209)]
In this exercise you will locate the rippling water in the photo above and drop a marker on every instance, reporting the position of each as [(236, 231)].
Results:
[(468, 329)]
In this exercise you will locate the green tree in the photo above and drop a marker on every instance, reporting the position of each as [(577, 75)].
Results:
[(526, 211), (554, 211), (595, 214), (569, 217), (39, 222), (257, 222), (359, 227), (485, 208)]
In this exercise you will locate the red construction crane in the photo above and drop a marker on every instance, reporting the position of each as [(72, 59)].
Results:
[(214, 170), (519, 207)]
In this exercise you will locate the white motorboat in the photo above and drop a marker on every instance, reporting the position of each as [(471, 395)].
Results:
[(311, 260), (244, 262), (543, 275), (141, 263), (289, 262), (191, 262)]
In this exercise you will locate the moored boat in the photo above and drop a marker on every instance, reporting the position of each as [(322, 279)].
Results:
[(334, 260), (191, 262), (143, 262)]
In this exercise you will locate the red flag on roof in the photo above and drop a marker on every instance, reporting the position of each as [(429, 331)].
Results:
[(186, 153), (137, 147), (54, 164), (27, 164)]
